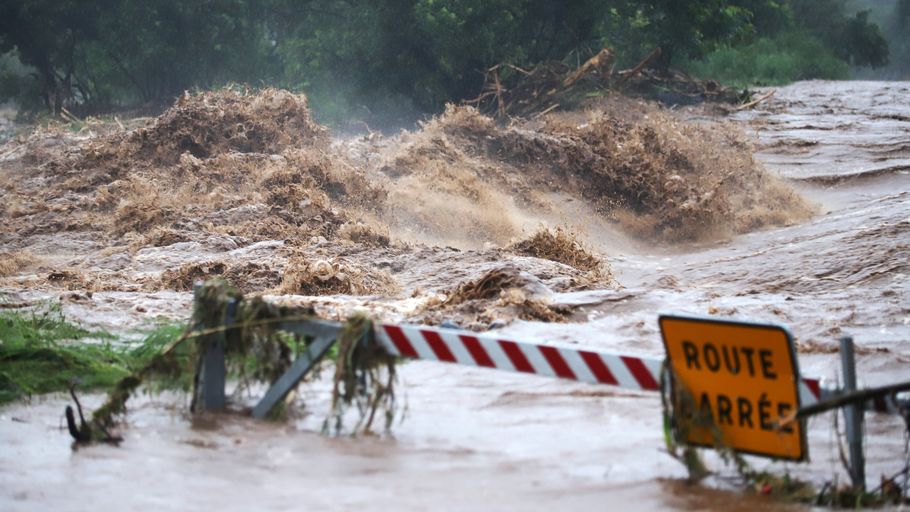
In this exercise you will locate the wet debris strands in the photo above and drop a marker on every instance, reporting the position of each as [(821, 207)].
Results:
[(495, 299), (255, 350), (364, 378)]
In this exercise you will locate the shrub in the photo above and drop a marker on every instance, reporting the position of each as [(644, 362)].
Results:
[(785, 58)]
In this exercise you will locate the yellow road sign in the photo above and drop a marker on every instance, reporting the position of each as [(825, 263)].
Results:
[(743, 376)]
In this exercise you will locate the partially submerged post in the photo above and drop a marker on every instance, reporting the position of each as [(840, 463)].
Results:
[(853, 416), (213, 373)]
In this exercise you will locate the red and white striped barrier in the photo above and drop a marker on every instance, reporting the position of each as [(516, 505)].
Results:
[(552, 360), (463, 347), (586, 364)]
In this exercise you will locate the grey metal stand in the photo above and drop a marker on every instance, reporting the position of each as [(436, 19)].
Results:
[(214, 370), (294, 374), (853, 416)]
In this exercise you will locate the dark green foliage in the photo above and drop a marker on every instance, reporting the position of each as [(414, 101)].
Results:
[(50, 36), (772, 61), (899, 34), (398, 58), (798, 40), (386, 59), (851, 38), (89, 55), (893, 16), (158, 49)]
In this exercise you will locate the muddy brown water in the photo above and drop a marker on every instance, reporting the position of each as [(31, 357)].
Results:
[(482, 440)]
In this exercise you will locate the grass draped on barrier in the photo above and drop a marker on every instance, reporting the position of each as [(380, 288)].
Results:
[(364, 377), (257, 351)]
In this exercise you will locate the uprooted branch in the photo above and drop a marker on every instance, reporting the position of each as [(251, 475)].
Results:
[(627, 74), (603, 59), (512, 91), (756, 101)]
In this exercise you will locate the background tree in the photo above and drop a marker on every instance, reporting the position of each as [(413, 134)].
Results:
[(852, 38), (49, 36), (398, 59)]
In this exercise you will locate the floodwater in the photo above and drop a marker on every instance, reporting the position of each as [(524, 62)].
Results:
[(482, 440)]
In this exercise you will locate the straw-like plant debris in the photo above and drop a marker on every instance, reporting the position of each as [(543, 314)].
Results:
[(364, 378), (306, 276), (12, 263), (213, 123), (655, 175), (563, 246), (255, 351), (220, 171), (247, 277), (492, 285), (496, 298)]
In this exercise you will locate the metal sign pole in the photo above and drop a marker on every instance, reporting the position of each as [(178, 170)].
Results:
[(853, 416)]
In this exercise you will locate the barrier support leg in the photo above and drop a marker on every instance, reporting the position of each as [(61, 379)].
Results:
[(294, 374)]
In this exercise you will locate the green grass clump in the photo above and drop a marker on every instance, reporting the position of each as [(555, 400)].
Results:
[(41, 352), (785, 58)]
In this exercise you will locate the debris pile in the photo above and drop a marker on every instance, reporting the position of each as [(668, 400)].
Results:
[(511, 91), (248, 164), (563, 246), (227, 121), (495, 299), (245, 276)]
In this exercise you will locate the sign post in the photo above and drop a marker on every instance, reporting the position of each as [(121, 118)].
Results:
[(853, 416), (742, 376)]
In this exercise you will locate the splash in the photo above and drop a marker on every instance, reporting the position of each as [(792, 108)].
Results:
[(658, 177), (228, 169)]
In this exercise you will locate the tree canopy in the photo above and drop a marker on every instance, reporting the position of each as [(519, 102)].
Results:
[(381, 56)]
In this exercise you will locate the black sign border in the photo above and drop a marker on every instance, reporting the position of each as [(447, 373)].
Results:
[(804, 445)]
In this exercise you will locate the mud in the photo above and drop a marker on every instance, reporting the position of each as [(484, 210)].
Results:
[(434, 211)]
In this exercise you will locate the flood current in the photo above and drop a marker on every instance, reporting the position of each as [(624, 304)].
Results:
[(474, 439)]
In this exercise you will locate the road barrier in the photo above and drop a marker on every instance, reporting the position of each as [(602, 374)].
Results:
[(566, 361), (574, 362), (550, 360)]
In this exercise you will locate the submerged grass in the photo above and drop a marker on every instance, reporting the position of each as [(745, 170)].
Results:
[(41, 352)]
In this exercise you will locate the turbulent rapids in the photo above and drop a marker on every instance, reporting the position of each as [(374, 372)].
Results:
[(572, 227), (246, 186)]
